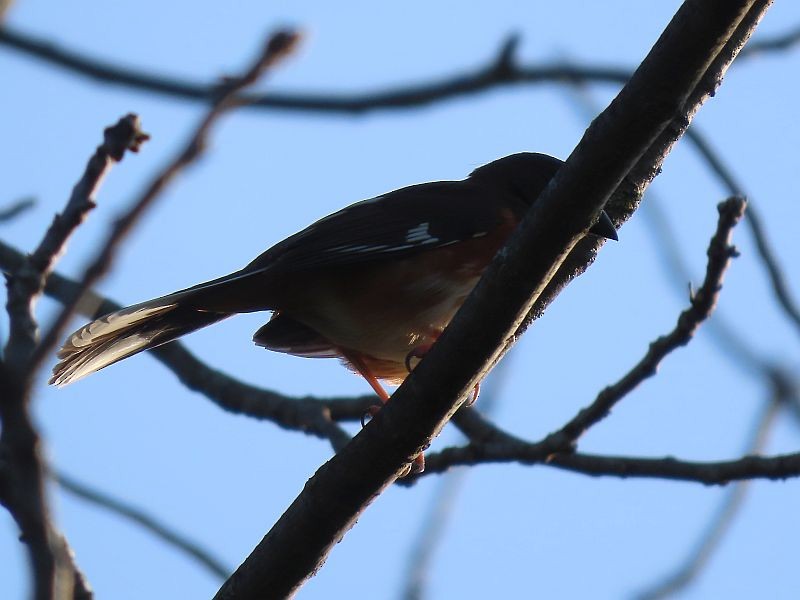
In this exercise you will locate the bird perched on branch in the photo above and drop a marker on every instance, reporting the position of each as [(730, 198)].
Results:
[(373, 284)]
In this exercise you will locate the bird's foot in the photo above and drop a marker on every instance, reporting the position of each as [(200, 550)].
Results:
[(370, 413), (419, 353), (474, 396)]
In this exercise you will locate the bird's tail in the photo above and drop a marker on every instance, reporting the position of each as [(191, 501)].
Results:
[(126, 332)]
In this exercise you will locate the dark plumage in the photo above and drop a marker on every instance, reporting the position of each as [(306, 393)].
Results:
[(369, 284)]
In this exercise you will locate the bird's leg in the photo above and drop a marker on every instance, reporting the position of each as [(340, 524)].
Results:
[(359, 365), (418, 464)]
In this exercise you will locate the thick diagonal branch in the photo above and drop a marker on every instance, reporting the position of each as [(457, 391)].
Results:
[(657, 95)]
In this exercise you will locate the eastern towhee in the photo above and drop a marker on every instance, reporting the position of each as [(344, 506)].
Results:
[(373, 284)]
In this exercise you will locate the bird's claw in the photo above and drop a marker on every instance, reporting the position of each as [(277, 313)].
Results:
[(369, 414)]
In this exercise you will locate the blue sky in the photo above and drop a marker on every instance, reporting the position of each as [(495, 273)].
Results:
[(133, 431)]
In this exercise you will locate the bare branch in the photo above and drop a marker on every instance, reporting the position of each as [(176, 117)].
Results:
[(54, 571), (728, 341), (501, 71), (276, 48), (23, 493), (720, 253), (12, 211), (693, 51), (25, 284), (140, 517), (779, 286), (779, 467)]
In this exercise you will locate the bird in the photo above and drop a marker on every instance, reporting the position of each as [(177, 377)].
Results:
[(373, 284)]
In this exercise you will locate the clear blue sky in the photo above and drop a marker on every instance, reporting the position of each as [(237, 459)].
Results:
[(133, 431)]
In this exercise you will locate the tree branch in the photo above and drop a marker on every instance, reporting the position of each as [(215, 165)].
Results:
[(777, 467), (703, 303), (140, 517), (778, 282), (53, 568), (501, 71), (659, 93), (12, 211), (25, 284)]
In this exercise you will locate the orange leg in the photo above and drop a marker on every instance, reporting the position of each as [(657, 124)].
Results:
[(359, 365), (418, 466)]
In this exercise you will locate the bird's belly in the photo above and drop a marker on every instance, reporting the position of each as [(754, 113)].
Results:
[(383, 315), (400, 321)]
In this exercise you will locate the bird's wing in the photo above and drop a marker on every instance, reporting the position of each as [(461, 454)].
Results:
[(391, 226)]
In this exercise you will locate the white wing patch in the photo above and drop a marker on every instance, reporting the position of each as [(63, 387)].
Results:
[(421, 235), (415, 237)]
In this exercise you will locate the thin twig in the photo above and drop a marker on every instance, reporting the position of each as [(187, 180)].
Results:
[(148, 522), (779, 286), (15, 209), (728, 341), (26, 283), (720, 253), (778, 467), (725, 516), (277, 47)]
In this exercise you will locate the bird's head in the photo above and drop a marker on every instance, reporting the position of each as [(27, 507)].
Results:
[(525, 175)]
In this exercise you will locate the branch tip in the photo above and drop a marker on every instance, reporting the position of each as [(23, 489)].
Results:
[(282, 43), (507, 57), (125, 135)]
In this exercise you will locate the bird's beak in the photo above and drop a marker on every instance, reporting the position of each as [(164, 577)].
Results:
[(604, 227)]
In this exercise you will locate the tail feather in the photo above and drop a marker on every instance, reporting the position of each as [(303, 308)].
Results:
[(126, 332)]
